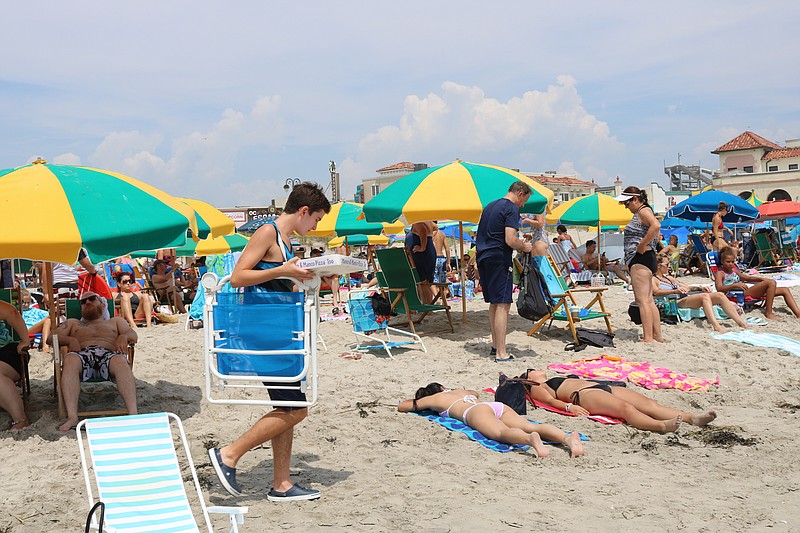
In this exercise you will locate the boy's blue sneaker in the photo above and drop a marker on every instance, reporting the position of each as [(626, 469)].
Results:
[(226, 474), (295, 493)]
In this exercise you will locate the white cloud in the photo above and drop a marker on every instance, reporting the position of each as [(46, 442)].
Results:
[(537, 131), (199, 163), (67, 159)]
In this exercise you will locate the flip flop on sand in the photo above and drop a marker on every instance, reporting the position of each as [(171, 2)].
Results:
[(353, 356), (504, 359), (755, 321)]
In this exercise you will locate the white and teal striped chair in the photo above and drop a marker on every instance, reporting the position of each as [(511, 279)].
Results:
[(138, 478)]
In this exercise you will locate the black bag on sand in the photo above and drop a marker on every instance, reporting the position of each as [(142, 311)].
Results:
[(591, 337), (534, 300), (636, 316), (633, 312), (512, 393)]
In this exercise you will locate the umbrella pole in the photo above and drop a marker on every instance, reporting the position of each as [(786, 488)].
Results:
[(47, 289), (461, 272)]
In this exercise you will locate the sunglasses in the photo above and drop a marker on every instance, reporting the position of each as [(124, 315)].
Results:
[(125, 281), (89, 299)]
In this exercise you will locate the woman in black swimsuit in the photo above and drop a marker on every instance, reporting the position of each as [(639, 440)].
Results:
[(133, 305), (585, 397), (639, 244)]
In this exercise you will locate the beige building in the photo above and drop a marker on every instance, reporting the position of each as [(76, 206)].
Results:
[(565, 187), (370, 187), (751, 164)]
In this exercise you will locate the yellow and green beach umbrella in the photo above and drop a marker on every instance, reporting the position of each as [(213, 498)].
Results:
[(210, 220), (358, 240), (215, 245), (48, 212), (457, 191), (344, 220), (209, 246), (592, 210)]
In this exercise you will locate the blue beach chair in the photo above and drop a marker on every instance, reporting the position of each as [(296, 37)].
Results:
[(253, 338), (138, 478), (368, 330)]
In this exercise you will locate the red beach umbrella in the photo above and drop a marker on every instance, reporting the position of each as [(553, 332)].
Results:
[(778, 209)]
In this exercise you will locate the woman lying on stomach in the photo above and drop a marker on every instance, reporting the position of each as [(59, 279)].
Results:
[(494, 420)]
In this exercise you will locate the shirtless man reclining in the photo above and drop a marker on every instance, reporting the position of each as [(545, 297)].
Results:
[(591, 261), (98, 348)]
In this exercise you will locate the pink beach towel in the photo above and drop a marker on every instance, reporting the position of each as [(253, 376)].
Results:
[(639, 373), (597, 418)]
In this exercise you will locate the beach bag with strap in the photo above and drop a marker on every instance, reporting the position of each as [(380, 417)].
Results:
[(512, 393), (534, 300), (381, 306), (591, 337)]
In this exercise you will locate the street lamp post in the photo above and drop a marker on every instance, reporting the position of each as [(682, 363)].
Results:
[(291, 183)]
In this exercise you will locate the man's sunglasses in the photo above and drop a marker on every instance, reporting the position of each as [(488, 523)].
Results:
[(89, 299), (125, 281)]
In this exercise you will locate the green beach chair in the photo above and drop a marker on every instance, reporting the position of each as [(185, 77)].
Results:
[(769, 253), (400, 280), (73, 310), (563, 299)]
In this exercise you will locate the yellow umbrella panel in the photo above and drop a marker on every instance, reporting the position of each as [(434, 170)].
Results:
[(345, 218), (358, 240), (210, 220)]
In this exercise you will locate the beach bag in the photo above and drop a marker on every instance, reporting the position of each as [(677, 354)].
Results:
[(512, 393), (166, 318), (590, 337), (534, 300), (636, 316), (381, 306), (634, 313)]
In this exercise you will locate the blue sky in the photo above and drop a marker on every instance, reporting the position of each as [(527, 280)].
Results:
[(222, 101)]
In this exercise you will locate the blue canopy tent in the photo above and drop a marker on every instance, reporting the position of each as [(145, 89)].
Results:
[(672, 223), (453, 233), (681, 233)]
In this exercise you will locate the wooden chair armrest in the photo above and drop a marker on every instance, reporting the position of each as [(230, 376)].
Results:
[(390, 289), (589, 289)]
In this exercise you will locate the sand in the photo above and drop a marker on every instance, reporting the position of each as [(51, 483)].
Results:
[(383, 471)]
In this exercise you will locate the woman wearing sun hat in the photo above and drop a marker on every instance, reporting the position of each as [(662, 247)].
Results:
[(640, 255)]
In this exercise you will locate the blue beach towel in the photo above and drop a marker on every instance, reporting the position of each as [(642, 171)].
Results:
[(453, 424), (767, 340)]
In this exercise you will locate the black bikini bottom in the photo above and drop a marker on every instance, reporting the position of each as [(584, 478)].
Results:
[(575, 397)]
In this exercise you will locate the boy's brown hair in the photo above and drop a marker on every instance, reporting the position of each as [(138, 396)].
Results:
[(307, 194)]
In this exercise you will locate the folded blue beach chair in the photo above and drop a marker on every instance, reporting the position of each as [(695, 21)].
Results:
[(369, 331), (257, 338)]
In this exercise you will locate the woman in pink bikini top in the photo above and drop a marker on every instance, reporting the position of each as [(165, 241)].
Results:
[(492, 419)]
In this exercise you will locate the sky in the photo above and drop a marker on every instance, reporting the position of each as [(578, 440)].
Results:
[(223, 101)]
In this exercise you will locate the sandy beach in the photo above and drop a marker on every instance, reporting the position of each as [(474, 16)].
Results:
[(379, 470)]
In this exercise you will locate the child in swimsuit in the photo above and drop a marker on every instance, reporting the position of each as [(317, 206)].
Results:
[(728, 278), (492, 419)]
